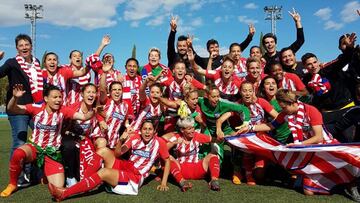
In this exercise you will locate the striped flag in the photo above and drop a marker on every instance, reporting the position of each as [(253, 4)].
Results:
[(323, 166)]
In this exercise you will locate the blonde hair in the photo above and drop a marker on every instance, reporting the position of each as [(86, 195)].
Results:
[(252, 59), (286, 96), (185, 122), (156, 50)]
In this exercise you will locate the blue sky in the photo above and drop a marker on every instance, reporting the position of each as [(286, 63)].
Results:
[(79, 24)]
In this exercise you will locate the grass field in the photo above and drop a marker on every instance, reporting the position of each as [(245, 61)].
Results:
[(148, 193)]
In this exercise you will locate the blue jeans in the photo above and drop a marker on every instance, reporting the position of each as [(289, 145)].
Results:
[(19, 129)]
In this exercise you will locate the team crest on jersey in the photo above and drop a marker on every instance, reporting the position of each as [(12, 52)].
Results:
[(118, 116), (189, 153), (177, 94), (141, 153)]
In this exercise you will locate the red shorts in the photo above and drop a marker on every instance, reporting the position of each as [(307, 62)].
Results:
[(127, 171), (193, 171), (51, 166)]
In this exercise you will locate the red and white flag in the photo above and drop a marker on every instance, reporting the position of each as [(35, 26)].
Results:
[(323, 165)]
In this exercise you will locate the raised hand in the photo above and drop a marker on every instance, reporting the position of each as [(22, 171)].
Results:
[(2, 54), (106, 40), (173, 23), (106, 66), (190, 54), (295, 15), (189, 40), (252, 29), (18, 90)]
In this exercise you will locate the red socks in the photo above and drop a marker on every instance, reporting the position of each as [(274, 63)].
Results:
[(175, 171), (84, 185), (16, 164), (214, 167)]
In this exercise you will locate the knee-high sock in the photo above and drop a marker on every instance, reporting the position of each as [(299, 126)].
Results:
[(248, 162), (214, 166), (16, 164), (84, 185), (176, 171)]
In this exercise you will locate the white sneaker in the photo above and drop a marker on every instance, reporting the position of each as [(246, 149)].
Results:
[(70, 182)]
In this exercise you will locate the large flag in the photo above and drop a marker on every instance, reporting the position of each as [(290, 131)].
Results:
[(323, 166)]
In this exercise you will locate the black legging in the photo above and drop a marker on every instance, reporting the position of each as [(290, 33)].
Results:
[(344, 119), (71, 157)]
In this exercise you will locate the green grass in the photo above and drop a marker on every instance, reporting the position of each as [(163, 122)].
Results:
[(148, 193)]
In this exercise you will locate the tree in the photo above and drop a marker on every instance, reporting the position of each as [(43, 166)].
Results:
[(133, 53)]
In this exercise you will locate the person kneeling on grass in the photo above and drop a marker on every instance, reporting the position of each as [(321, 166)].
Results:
[(44, 143), (187, 165), (125, 176)]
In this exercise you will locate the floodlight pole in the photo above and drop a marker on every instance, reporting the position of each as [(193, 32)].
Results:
[(33, 12), (273, 13)]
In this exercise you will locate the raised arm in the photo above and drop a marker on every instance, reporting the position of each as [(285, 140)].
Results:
[(13, 107), (171, 54), (300, 39), (219, 133), (81, 72), (104, 42), (195, 67), (246, 42), (103, 85)]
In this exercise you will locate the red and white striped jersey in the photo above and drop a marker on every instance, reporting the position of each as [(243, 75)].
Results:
[(74, 87), (149, 112), (86, 126), (143, 155), (258, 109), (189, 152), (111, 76), (131, 89), (240, 69), (291, 82), (47, 126), (116, 115), (59, 80), (228, 90)]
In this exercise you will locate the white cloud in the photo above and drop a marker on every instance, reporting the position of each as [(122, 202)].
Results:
[(246, 20), (323, 13), (348, 14), (88, 16), (251, 6), (331, 25), (134, 24), (158, 20), (221, 19), (217, 19), (197, 22)]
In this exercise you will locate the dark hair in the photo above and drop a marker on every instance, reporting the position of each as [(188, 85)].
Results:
[(83, 88), (273, 64), (210, 87), (22, 37), (107, 54), (306, 57), (114, 83), (47, 54), (233, 45), (271, 35), (176, 62), (261, 91), (146, 121), (156, 85), (182, 38), (49, 88), (228, 58), (132, 59), (285, 49), (73, 51), (210, 42)]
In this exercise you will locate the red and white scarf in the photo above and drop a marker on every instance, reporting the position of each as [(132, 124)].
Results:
[(34, 73), (317, 83), (295, 123)]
